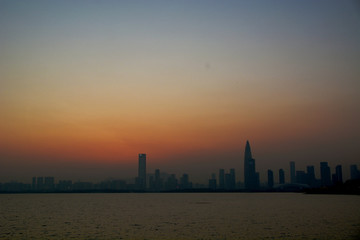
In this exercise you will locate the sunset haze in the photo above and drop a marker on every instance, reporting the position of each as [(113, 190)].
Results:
[(85, 86)]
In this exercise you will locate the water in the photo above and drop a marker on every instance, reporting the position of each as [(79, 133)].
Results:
[(179, 216)]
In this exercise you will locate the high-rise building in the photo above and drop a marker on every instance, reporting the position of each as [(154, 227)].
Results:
[(184, 182), (221, 179), (334, 179), (354, 172), (292, 172), (33, 186), (251, 177), (325, 174), (212, 182), (270, 178), (227, 181), (64, 185), (338, 173), (213, 176), (171, 182), (310, 173), (301, 177), (281, 176), (151, 182), (157, 174), (158, 181), (141, 180), (40, 183), (49, 183), (232, 179)]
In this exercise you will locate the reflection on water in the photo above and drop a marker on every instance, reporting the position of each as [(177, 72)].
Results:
[(179, 216)]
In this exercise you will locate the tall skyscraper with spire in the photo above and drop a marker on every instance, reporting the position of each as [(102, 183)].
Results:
[(141, 179), (251, 177)]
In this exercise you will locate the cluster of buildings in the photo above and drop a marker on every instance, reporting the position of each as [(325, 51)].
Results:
[(47, 184), (308, 178), (225, 181)]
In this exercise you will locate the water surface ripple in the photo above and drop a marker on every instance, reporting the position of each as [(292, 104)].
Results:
[(179, 216)]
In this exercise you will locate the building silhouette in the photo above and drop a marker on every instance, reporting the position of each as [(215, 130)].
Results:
[(354, 172), (83, 186), (281, 176), (301, 177), (310, 172), (212, 182), (184, 182), (251, 177), (338, 178), (141, 179), (49, 184), (40, 183), (230, 182), (292, 172), (270, 178), (158, 181), (325, 174), (64, 185), (221, 179), (232, 178), (33, 185), (171, 183)]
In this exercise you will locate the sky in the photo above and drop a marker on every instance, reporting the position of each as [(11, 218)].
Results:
[(85, 86)]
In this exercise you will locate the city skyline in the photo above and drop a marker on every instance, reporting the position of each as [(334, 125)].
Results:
[(225, 180), (164, 182), (255, 178), (87, 86)]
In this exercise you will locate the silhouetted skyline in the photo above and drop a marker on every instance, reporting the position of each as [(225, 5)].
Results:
[(86, 86), (248, 179), (225, 181)]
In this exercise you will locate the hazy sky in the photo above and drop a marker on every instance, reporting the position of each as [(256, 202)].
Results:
[(87, 85)]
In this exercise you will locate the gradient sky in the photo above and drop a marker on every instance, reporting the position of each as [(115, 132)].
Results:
[(87, 85)]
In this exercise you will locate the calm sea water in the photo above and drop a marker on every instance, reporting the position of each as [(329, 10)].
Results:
[(179, 216)]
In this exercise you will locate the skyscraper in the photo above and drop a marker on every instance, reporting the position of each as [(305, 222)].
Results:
[(184, 182), (221, 178), (301, 177), (325, 174), (232, 183), (158, 181), (292, 172), (251, 178), (354, 172), (270, 179), (171, 182), (141, 180), (338, 172), (212, 182), (33, 186), (281, 176), (228, 185), (310, 172), (49, 183), (40, 183)]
